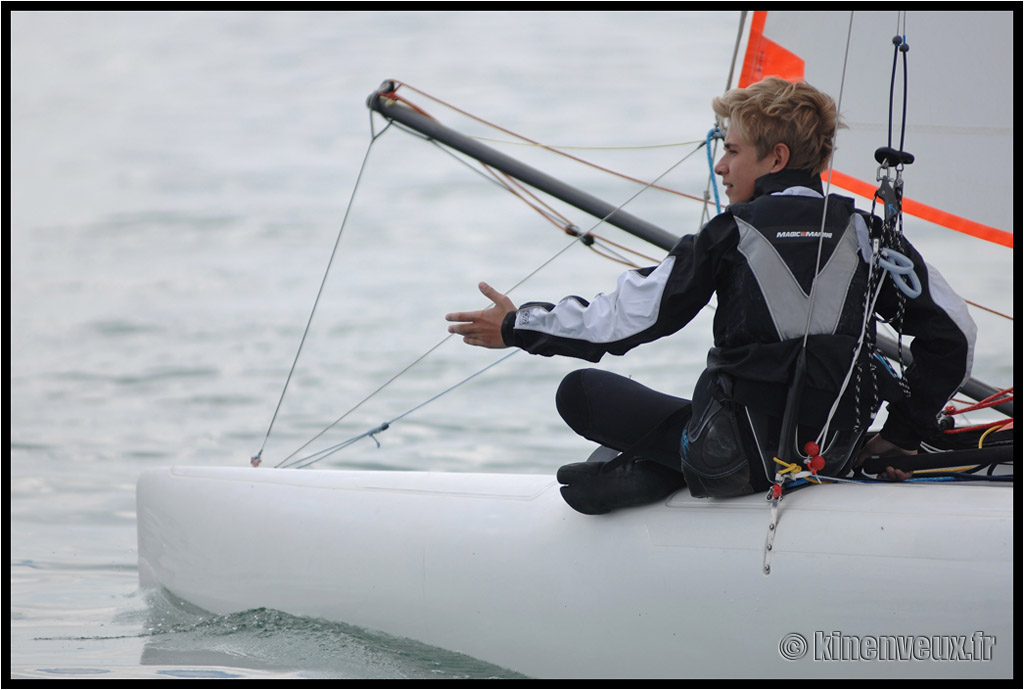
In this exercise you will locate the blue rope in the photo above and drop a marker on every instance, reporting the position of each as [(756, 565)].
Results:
[(713, 133)]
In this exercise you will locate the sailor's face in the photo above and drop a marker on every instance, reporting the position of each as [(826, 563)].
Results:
[(740, 167)]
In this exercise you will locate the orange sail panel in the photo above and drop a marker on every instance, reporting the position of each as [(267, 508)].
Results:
[(766, 58), (924, 211)]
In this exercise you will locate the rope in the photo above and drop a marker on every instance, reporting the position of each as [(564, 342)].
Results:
[(589, 239), (546, 147), (998, 398), (713, 133), (995, 427), (885, 255), (511, 185), (1005, 395), (573, 147)]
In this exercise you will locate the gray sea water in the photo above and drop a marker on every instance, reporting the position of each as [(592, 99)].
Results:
[(177, 183)]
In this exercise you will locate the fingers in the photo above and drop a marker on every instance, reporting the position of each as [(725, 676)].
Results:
[(877, 447), (482, 327), (502, 302), (498, 298), (468, 330), (463, 317), (895, 475)]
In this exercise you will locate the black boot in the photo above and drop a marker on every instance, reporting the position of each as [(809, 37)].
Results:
[(595, 488)]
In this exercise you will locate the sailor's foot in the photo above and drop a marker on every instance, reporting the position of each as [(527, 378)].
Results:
[(596, 488)]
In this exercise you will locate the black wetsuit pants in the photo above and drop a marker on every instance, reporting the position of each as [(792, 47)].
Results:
[(709, 440), (624, 415)]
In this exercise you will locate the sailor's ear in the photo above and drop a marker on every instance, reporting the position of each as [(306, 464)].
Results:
[(780, 154)]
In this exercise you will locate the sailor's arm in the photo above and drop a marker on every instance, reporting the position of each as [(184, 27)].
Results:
[(943, 351), (646, 304)]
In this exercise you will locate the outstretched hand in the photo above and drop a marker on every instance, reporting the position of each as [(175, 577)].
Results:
[(482, 328), (880, 447)]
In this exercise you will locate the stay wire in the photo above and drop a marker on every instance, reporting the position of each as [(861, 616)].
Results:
[(372, 433), (789, 433), (374, 135), (828, 184)]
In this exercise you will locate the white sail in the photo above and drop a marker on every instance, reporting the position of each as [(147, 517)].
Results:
[(960, 107)]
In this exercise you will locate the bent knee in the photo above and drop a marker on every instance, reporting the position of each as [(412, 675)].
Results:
[(571, 400)]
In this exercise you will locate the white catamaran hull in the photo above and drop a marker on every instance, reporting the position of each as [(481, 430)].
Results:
[(866, 581)]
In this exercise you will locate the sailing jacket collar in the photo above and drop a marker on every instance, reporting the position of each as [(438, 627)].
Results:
[(785, 179)]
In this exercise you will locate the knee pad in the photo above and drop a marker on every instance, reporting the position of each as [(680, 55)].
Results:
[(714, 461)]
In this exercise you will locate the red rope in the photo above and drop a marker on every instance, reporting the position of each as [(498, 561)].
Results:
[(1005, 395)]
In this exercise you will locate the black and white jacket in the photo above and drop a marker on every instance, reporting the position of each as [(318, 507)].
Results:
[(760, 258)]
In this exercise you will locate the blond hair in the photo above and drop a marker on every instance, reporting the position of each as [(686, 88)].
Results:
[(776, 111)]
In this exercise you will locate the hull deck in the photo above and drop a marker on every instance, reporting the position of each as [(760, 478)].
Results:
[(499, 568)]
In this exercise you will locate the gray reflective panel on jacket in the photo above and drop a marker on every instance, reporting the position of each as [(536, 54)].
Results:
[(787, 302)]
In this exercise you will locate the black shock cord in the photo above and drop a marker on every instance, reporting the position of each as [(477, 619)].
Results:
[(890, 230), (900, 45), (894, 234)]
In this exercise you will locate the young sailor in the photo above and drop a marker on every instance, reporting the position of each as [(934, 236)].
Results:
[(793, 275)]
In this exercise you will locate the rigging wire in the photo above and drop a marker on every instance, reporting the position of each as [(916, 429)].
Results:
[(787, 439), (828, 182), (372, 433), (374, 136), (736, 48)]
